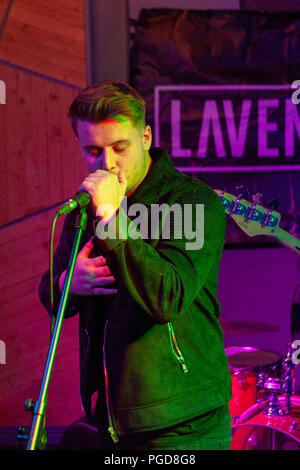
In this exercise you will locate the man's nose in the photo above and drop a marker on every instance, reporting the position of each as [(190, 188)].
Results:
[(108, 162)]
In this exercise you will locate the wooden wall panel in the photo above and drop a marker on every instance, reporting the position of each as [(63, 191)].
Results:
[(43, 65), (36, 141), (24, 327), (47, 37), (3, 8)]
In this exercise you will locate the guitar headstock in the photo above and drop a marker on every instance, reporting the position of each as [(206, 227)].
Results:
[(251, 217)]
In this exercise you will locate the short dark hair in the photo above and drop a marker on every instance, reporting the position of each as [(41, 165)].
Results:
[(105, 100)]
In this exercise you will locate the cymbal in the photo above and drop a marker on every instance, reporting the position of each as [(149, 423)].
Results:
[(240, 326)]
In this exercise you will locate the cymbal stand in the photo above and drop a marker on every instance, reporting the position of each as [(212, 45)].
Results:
[(276, 386)]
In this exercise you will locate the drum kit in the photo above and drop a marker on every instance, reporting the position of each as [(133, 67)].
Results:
[(265, 412)]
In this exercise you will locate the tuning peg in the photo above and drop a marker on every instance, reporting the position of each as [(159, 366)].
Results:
[(243, 191), (273, 204), (256, 198)]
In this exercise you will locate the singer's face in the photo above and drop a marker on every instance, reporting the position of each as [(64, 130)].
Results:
[(113, 145)]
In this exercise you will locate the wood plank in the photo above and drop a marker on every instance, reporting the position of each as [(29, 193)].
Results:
[(74, 5), (24, 248), (73, 167), (62, 142), (64, 46), (40, 64), (47, 38), (3, 8), (70, 13), (54, 53), (45, 164), (24, 327), (32, 15), (41, 167), (64, 399)]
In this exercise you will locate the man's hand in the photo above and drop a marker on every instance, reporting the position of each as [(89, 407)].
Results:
[(107, 191), (90, 276)]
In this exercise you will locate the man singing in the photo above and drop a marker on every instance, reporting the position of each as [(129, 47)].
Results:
[(151, 344)]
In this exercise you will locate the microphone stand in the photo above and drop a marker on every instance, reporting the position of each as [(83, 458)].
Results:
[(38, 436)]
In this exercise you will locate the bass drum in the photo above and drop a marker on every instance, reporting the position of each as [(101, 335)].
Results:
[(262, 432)]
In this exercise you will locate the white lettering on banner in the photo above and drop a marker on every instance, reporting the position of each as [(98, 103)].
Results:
[(265, 127), (237, 138), (176, 131), (257, 122), (211, 119), (236, 135), (292, 123)]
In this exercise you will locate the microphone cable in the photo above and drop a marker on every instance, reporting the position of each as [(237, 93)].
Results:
[(51, 275)]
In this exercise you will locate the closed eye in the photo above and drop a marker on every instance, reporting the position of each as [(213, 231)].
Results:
[(94, 151), (120, 148)]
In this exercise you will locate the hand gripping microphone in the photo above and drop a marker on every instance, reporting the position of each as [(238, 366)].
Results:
[(78, 201)]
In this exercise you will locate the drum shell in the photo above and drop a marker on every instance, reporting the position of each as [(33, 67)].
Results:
[(257, 431), (244, 375)]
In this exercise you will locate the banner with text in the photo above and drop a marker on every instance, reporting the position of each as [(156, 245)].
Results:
[(223, 100)]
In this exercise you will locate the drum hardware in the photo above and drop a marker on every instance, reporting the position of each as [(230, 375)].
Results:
[(273, 408), (294, 426), (274, 386), (235, 419), (273, 421), (252, 411), (283, 385), (257, 431), (288, 385), (247, 367)]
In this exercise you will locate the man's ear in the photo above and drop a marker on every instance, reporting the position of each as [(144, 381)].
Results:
[(147, 137)]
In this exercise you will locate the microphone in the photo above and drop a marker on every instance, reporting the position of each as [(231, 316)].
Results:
[(78, 201)]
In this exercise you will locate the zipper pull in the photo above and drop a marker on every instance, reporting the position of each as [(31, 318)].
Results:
[(113, 434), (176, 350), (183, 367)]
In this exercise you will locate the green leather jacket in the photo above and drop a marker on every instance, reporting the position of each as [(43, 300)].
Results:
[(154, 351)]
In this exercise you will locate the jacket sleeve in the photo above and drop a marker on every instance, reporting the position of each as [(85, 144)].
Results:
[(164, 277), (60, 263)]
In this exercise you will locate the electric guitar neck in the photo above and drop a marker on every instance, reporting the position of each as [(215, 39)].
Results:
[(255, 219)]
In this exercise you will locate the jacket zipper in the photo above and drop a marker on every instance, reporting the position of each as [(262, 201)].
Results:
[(111, 430), (175, 349)]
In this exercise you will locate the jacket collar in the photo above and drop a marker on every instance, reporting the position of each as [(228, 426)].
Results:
[(156, 180)]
